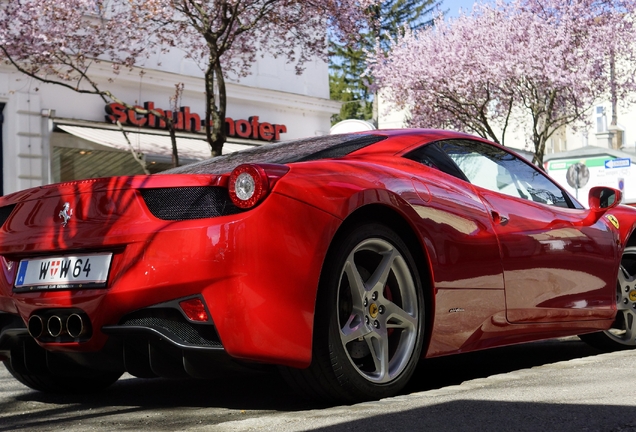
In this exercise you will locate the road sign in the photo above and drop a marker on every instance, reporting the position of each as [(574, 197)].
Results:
[(578, 175), (618, 163)]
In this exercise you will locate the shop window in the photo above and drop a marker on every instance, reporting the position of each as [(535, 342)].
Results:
[(601, 120), (78, 164)]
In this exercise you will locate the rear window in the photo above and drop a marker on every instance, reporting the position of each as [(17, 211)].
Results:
[(322, 147)]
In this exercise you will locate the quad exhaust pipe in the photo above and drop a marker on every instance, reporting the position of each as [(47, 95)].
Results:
[(74, 326), (55, 326), (35, 326)]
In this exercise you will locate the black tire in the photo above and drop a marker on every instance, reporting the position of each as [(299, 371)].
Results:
[(367, 336), (49, 383), (622, 334)]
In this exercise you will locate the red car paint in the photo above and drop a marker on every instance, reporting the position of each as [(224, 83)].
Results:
[(537, 275)]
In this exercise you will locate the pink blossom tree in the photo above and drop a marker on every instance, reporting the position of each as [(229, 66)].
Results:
[(59, 41), (539, 64), (225, 36)]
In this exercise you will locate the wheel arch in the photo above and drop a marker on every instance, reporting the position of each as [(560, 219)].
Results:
[(631, 238), (395, 220), (626, 218)]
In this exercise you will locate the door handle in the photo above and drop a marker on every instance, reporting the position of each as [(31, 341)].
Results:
[(498, 218)]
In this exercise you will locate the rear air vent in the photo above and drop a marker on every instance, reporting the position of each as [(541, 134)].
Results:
[(184, 203), (173, 322), (5, 212)]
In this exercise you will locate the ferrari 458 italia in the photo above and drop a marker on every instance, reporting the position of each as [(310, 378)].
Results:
[(343, 260)]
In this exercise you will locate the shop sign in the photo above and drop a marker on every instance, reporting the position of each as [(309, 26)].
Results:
[(186, 121)]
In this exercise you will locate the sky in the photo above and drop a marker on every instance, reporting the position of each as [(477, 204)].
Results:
[(453, 6)]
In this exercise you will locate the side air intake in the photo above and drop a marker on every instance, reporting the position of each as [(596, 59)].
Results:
[(5, 212)]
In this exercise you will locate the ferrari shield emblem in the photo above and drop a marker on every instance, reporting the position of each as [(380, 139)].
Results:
[(613, 220)]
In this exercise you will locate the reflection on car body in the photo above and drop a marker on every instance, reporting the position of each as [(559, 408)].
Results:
[(342, 260)]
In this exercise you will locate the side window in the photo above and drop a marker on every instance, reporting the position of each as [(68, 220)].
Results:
[(432, 156), (494, 169)]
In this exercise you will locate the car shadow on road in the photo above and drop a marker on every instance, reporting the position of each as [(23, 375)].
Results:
[(268, 391), (480, 415), (452, 370)]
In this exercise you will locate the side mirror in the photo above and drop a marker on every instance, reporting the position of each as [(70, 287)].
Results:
[(603, 198)]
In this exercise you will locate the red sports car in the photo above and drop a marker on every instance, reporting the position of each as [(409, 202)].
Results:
[(342, 259)]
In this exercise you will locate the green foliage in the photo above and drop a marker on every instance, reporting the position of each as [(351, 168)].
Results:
[(391, 16), (348, 60), (353, 106)]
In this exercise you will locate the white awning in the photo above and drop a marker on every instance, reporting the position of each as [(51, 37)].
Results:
[(149, 144)]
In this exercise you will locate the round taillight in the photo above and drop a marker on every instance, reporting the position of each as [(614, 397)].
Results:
[(248, 185)]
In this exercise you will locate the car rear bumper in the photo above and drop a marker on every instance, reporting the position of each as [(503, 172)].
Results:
[(143, 351), (256, 271)]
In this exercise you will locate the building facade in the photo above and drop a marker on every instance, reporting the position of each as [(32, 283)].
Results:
[(51, 133)]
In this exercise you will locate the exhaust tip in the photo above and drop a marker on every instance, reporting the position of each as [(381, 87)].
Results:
[(54, 326), (35, 326), (75, 326)]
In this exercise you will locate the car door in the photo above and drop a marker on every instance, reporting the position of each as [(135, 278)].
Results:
[(555, 268), (457, 224)]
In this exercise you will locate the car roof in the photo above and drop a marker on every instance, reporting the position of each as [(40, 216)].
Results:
[(377, 142)]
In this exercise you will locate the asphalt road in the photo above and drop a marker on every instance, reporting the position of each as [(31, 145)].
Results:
[(553, 386)]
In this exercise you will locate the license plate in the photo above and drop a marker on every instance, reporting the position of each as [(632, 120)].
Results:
[(66, 272)]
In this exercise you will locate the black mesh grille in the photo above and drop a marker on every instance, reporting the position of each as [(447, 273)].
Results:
[(189, 202), (172, 321), (5, 212)]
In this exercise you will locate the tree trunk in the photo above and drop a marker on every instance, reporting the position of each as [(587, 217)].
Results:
[(539, 150), (375, 116), (173, 140), (614, 122), (215, 115)]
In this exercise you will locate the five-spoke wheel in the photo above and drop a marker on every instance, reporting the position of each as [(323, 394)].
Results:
[(369, 323), (622, 335), (378, 312)]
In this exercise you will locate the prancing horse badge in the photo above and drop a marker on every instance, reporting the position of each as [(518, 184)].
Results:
[(66, 213), (613, 220)]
